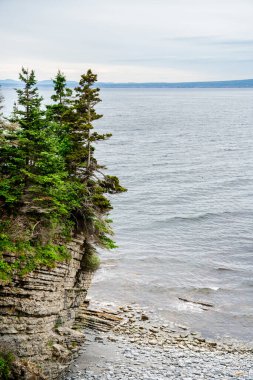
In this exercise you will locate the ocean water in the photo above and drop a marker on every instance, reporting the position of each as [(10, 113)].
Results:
[(184, 228)]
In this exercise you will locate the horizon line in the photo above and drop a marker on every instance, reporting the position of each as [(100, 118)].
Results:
[(143, 82)]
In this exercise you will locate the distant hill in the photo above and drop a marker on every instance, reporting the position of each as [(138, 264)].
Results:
[(10, 83), (49, 83), (245, 83)]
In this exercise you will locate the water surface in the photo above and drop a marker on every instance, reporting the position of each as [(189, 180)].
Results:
[(185, 225)]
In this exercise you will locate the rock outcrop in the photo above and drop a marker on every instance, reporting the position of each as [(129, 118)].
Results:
[(38, 312)]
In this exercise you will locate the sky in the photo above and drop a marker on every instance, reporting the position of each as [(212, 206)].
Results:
[(128, 40)]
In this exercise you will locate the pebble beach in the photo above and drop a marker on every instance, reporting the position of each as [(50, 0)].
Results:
[(141, 348)]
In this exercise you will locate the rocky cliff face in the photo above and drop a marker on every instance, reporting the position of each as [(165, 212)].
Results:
[(37, 315)]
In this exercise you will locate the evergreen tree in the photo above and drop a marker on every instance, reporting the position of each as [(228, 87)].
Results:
[(1, 104), (35, 162), (1, 120), (61, 99), (51, 185), (29, 116), (84, 166), (80, 117), (57, 113)]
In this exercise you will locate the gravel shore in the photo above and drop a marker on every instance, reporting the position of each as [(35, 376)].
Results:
[(140, 349)]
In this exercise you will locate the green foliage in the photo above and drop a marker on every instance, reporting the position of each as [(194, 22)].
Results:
[(6, 360), (107, 242), (61, 98), (58, 322), (51, 185), (92, 262), (1, 103), (28, 256), (50, 343)]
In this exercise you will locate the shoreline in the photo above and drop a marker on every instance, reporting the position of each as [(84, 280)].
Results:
[(138, 348)]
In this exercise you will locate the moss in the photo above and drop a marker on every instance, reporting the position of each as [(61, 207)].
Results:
[(92, 262), (50, 343), (58, 323), (6, 360)]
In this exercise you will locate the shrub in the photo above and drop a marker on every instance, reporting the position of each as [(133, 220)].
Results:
[(92, 262)]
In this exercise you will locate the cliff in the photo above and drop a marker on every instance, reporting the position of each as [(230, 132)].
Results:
[(38, 312), (51, 188)]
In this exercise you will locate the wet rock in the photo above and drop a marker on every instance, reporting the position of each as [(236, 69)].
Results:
[(144, 350), (99, 339)]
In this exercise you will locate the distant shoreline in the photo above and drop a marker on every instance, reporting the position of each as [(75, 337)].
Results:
[(246, 83)]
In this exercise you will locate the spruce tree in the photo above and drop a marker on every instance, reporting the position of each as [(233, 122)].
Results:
[(61, 99), (30, 114), (1, 103), (1, 121), (39, 168), (57, 113), (35, 195), (80, 117), (85, 168)]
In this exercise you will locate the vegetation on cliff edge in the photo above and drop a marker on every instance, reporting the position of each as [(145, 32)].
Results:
[(51, 185), (6, 360)]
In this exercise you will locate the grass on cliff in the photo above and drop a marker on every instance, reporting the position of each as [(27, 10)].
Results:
[(25, 257)]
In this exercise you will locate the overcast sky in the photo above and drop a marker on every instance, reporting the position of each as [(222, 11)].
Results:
[(128, 40)]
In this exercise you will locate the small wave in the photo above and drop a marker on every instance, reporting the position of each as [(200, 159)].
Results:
[(229, 149), (187, 307), (204, 216), (206, 289), (154, 287), (223, 269), (248, 283)]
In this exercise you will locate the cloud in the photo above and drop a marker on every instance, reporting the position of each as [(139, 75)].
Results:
[(151, 38), (236, 42), (106, 72)]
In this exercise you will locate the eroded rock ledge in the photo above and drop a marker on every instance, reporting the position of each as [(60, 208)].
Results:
[(38, 313)]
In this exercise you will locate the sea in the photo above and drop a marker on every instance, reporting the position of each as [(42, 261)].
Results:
[(184, 227)]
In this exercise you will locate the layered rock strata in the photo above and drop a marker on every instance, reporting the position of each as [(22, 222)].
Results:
[(38, 312)]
